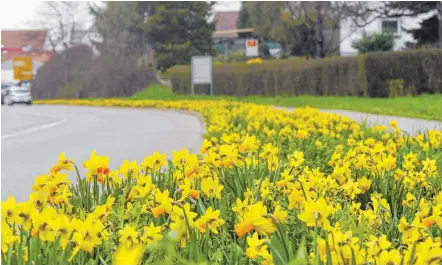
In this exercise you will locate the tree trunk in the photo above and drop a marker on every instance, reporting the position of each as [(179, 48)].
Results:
[(319, 32), (283, 49)]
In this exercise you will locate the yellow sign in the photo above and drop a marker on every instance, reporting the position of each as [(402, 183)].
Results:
[(22, 68)]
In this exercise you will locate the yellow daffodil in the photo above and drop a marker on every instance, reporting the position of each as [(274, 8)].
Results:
[(257, 247), (9, 211), (279, 214), (163, 204), (316, 213), (128, 255), (209, 220), (151, 234), (96, 165), (256, 219), (154, 162), (63, 163), (211, 188), (128, 236)]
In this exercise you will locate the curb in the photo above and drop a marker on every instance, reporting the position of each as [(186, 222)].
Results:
[(192, 113)]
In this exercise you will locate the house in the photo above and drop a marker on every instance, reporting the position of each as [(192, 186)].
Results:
[(90, 37), (227, 36), (350, 32), (16, 43)]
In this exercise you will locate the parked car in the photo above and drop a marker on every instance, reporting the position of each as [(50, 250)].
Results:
[(4, 91), (18, 94)]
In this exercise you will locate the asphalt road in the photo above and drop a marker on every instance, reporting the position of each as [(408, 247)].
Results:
[(32, 138)]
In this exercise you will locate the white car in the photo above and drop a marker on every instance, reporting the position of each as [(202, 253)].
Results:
[(17, 94)]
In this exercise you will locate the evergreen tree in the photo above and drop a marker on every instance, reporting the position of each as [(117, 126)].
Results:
[(178, 31), (428, 32), (244, 18)]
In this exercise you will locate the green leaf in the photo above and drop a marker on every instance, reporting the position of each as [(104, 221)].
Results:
[(236, 253), (217, 256), (300, 257), (277, 251), (201, 206)]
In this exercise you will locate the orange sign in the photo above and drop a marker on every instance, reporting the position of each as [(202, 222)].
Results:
[(22, 68), (251, 43)]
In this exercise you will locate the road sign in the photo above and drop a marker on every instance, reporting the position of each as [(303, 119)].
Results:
[(252, 48), (202, 72), (22, 68)]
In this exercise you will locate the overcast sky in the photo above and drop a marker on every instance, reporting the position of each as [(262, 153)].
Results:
[(16, 14)]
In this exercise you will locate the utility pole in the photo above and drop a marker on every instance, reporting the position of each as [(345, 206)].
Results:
[(439, 18)]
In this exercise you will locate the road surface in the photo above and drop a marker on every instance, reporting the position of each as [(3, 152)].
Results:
[(32, 137)]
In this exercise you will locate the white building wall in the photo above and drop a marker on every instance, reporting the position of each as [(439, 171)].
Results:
[(90, 37), (349, 32)]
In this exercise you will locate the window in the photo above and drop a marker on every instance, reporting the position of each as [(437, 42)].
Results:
[(391, 26)]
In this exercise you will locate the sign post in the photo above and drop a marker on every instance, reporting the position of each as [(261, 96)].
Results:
[(22, 68), (201, 72), (252, 48)]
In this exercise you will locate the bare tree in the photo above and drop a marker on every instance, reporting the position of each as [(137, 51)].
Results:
[(66, 22), (324, 18)]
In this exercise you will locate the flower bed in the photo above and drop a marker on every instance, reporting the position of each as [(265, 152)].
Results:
[(268, 187)]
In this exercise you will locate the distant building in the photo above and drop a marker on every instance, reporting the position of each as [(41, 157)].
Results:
[(228, 37), (16, 43), (350, 32), (225, 25), (90, 38)]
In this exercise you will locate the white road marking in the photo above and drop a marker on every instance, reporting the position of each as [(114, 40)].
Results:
[(36, 128)]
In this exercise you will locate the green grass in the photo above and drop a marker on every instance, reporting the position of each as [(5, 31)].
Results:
[(424, 106)]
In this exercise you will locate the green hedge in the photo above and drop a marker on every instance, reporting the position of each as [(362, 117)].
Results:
[(418, 71)]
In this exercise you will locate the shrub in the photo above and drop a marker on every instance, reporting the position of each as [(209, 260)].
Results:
[(421, 69), (75, 73), (58, 77), (364, 75), (117, 76), (237, 56), (374, 43)]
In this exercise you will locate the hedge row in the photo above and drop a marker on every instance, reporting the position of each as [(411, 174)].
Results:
[(76, 73), (419, 71)]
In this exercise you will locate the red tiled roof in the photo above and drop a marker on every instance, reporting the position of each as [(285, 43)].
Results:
[(21, 38), (226, 20)]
